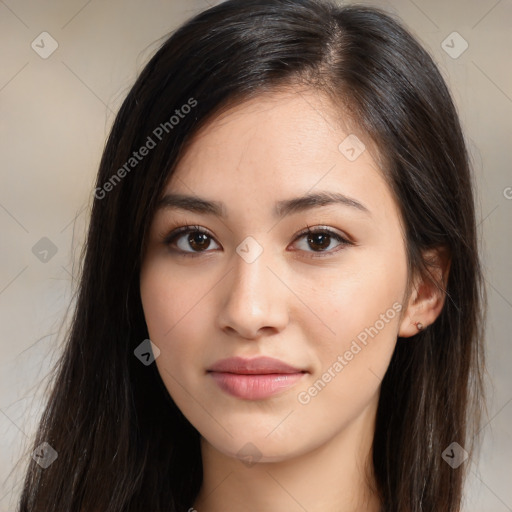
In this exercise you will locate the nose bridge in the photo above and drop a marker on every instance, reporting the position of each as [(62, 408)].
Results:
[(254, 298), (251, 276)]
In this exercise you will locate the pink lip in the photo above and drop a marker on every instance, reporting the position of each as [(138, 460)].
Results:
[(254, 379)]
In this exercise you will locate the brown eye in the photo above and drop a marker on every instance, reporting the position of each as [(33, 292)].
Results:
[(321, 241), (198, 241), (189, 240)]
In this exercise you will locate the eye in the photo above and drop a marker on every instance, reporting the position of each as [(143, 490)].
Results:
[(321, 241), (190, 237), (194, 240)]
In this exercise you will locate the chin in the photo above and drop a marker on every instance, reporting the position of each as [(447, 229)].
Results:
[(257, 446)]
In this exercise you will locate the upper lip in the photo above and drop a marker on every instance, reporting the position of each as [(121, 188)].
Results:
[(255, 366)]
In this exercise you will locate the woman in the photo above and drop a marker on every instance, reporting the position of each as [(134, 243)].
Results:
[(281, 299)]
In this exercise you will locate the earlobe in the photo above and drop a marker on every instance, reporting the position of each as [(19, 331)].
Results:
[(429, 294)]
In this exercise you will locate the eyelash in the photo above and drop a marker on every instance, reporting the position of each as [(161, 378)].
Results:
[(176, 233)]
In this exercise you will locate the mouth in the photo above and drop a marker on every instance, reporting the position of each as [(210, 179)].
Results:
[(254, 379)]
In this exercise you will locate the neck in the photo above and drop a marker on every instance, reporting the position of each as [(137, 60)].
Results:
[(334, 477)]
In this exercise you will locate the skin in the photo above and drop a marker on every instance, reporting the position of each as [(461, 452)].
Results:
[(287, 304)]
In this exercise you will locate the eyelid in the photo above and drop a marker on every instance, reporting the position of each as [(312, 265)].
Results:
[(325, 229), (185, 228), (343, 239), (169, 238)]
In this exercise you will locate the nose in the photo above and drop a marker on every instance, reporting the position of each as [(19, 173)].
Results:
[(254, 300)]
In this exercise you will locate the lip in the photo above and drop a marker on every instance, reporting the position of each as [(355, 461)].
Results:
[(254, 379), (255, 366)]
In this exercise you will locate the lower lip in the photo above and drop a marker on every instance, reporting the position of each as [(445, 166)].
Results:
[(255, 387)]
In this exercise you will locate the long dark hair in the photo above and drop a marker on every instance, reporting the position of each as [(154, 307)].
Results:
[(122, 443)]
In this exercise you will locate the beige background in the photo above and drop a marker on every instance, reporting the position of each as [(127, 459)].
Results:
[(55, 114)]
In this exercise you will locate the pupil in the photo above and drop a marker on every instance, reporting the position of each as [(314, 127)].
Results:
[(198, 241), (318, 238)]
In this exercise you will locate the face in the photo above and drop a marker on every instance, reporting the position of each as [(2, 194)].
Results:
[(238, 275)]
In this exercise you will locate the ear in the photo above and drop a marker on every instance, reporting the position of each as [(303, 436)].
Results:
[(428, 294)]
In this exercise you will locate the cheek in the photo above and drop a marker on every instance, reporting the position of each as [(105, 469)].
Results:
[(359, 312), (350, 364), (175, 326), (173, 309)]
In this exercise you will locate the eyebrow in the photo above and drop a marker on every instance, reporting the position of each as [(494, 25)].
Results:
[(282, 208)]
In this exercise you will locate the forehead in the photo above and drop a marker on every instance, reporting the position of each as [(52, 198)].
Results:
[(291, 123), (279, 145)]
